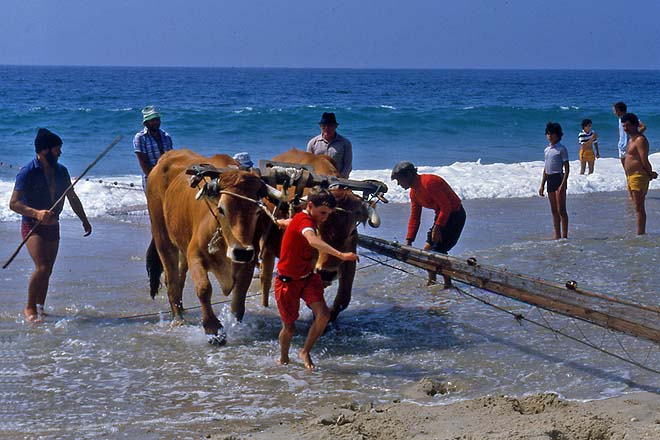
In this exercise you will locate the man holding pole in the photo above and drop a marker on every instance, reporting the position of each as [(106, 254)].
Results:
[(39, 197)]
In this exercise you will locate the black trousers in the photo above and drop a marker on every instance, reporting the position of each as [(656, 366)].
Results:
[(450, 233)]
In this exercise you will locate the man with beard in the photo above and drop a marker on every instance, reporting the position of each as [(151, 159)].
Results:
[(151, 142), (38, 186)]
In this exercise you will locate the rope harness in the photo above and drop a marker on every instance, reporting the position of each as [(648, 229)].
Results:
[(217, 235)]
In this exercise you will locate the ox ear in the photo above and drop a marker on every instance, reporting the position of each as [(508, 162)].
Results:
[(273, 194), (374, 218)]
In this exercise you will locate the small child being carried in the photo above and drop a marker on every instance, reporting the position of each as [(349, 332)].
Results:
[(588, 143)]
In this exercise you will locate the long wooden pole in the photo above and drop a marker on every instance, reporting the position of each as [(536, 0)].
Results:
[(89, 167), (605, 311)]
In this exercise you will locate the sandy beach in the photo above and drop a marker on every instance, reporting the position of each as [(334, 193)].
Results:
[(535, 417)]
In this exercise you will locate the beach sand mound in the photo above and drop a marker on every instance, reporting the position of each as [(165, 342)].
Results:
[(535, 417)]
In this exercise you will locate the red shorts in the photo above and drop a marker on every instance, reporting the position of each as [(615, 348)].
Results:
[(288, 295), (46, 232)]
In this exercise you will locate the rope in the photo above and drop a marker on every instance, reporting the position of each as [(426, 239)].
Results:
[(115, 184), (122, 185), (259, 203), (519, 318), (269, 227), (10, 166), (147, 315)]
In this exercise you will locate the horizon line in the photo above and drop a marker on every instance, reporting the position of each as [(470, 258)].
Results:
[(335, 68)]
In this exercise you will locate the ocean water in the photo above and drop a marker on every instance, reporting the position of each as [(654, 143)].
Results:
[(98, 368), (482, 130)]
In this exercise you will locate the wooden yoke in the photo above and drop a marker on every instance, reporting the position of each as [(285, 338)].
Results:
[(294, 175)]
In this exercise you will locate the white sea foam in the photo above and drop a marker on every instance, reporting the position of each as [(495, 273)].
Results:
[(471, 180), (100, 197)]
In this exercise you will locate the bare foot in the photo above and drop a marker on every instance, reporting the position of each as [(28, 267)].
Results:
[(283, 360), (32, 316), (307, 360)]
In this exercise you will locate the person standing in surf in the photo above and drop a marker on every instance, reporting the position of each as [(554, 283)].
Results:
[(588, 140), (555, 174), (432, 192), (333, 144), (639, 171), (38, 186), (296, 279), (619, 109), (151, 142)]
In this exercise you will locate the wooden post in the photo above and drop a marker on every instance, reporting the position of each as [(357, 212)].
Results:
[(605, 311)]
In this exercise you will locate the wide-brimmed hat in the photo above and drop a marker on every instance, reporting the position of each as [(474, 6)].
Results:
[(149, 113), (403, 167), (244, 159), (328, 119)]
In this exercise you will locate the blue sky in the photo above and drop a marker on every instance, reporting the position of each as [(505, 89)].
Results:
[(498, 34)]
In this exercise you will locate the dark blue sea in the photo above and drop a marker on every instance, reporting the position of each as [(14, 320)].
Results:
[(432, 117)]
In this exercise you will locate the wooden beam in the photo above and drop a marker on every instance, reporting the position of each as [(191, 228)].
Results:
[(605, 311)]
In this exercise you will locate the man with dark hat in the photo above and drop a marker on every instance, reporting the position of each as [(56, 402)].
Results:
[(38, 186), (432, 192), (331, 143), (151, 142)]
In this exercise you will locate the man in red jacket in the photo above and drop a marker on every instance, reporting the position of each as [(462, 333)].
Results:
[(431, 191)]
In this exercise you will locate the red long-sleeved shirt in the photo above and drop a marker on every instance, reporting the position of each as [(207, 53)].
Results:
[(430, 191)]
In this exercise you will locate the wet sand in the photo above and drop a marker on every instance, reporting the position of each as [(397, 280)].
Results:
[(101, 278)]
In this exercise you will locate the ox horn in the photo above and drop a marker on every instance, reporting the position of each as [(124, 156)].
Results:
[(274, 194), (374, 218)]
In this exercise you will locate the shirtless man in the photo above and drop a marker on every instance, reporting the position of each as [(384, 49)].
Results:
[(619, 109), (639, 171)]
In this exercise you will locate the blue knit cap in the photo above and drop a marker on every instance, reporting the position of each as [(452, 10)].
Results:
[(46, 139)]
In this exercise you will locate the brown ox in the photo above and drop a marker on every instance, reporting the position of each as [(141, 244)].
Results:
[(339, 230), (183, 229)]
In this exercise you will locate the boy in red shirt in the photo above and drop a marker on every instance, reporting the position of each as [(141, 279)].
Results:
[(296, 280)]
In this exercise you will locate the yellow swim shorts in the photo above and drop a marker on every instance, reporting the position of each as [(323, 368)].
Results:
[(638, 182), (587, 155)]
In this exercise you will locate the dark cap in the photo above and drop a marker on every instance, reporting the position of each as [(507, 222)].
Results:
[(402, 168), (328, 119), (46, 139)]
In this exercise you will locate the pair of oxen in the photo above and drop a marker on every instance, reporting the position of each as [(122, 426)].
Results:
[(223, 232)]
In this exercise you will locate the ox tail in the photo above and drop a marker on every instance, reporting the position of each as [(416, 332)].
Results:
[(154, 269)]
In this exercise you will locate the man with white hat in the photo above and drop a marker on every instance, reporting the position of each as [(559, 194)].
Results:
[(151, 142)]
